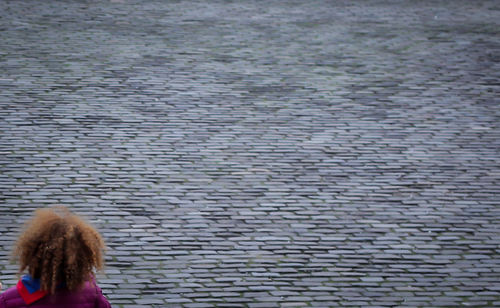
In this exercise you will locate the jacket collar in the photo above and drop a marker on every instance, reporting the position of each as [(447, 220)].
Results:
[(29, 289)]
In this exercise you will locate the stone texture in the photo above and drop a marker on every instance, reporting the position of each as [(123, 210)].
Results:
[(261, 154)]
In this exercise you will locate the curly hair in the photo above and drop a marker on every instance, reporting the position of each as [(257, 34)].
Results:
[(60, 249)]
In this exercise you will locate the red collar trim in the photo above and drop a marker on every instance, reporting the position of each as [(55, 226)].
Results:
[(26, 296)]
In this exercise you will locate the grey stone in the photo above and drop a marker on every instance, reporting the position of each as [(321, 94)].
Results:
[(233, 155)]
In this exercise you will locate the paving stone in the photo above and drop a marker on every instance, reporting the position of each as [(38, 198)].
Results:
[(296, 154)]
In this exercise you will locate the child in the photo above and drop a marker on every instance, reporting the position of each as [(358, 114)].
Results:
[(60, 252)]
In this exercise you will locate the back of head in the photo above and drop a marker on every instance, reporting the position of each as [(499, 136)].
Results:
[(60, 249)]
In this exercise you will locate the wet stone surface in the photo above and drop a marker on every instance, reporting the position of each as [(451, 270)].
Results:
[(261, 154)]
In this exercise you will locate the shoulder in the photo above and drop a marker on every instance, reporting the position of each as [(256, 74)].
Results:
[(101, 300), (86, 297), (11, 298), (89, 296), (94, 293)]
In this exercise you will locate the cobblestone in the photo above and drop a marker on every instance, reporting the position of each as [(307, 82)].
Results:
[(251, 154)]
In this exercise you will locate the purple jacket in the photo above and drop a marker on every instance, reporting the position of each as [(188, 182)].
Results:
[(89, 297)]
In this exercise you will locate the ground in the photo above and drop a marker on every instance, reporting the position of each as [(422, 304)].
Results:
[(261, 153)]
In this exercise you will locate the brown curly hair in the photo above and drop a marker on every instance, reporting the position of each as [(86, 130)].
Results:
[(59, 248)]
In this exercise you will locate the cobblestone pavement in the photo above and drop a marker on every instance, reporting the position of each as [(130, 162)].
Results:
[(261, 153)]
